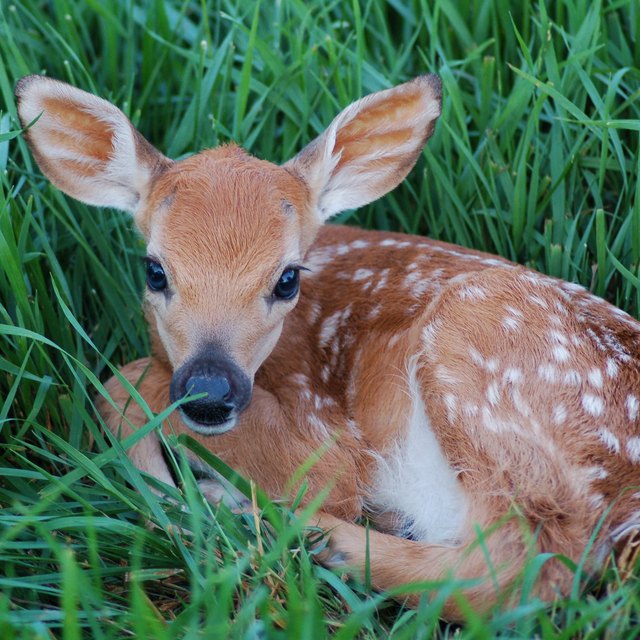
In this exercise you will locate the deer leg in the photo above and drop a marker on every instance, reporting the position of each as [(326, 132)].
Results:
[(487, 568), (146, 454), (264, 445)]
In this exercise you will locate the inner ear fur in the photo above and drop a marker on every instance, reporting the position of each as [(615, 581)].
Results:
[(85, 145), (370, 147)]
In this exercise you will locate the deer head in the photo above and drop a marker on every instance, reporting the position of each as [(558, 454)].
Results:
[(226, 233)]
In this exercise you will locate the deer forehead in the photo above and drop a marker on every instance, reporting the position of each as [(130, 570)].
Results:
[(223, 214)]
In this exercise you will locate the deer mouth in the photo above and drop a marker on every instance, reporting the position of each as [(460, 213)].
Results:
[(209, 429)]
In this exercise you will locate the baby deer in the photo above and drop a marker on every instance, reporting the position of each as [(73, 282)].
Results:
[(457, 391)]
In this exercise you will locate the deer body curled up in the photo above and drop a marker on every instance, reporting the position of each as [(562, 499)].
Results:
[(460, 392)]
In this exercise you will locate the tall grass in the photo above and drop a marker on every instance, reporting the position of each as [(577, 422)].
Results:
[(535, 157)]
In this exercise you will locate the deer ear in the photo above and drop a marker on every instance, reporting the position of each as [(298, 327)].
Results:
[(370, 147), (87, 147)]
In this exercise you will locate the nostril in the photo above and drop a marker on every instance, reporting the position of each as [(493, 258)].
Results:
[(217, 388)]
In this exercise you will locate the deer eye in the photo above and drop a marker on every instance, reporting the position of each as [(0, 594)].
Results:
[(156, 278), (288, 285)]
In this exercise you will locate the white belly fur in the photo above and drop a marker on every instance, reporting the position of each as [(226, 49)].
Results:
[(415, 482)]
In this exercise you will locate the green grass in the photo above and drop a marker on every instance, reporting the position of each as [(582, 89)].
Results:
[(535, 157)]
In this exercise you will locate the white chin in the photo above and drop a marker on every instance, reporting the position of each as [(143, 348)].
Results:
[(208, 429)]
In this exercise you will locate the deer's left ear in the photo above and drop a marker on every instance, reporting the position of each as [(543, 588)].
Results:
[(85, 145), (370, 147)]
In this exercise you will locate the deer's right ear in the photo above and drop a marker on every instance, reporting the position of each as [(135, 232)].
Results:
[(87, 147)]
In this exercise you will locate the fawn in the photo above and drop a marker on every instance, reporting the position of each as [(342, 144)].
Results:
[(459, 391)]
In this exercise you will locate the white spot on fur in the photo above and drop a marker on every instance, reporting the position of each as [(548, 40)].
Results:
[(412, 278), (388, 242), (353, 427), (322, 402), (488, 364), (420, 288), (394, 339), (429, 334), (554, 318), (516, 313), (303, 383), (558, 336), (331, 325), (560, 353), (519, 402), (633, 449), (572, 378), (592, 474), (595, 378), (362, 274), (359, 244), (510, 323), (613, 344), (540, 302), (329, 328), (496, 424), (593, 405), (596, 340), (415, 481), (493, 393), (632, 405), (559, 414), (319, 427), (445, 376), (300, 379), (609, 440), (590, 298), (560, 308), (472, 292), (493, 262), (375, 312), (476, 357), (382, 282), (471, 409), (512, 375), (611, 368), (316, 260), (528, 276), (621, 314), (314, 313), (489, 420), (451, 403), (548, 372)]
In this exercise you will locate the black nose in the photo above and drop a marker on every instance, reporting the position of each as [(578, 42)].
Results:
[(216, 406), (211, 372)]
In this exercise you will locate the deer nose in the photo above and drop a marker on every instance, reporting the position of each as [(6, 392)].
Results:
[(216, 406), (224, 387)]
